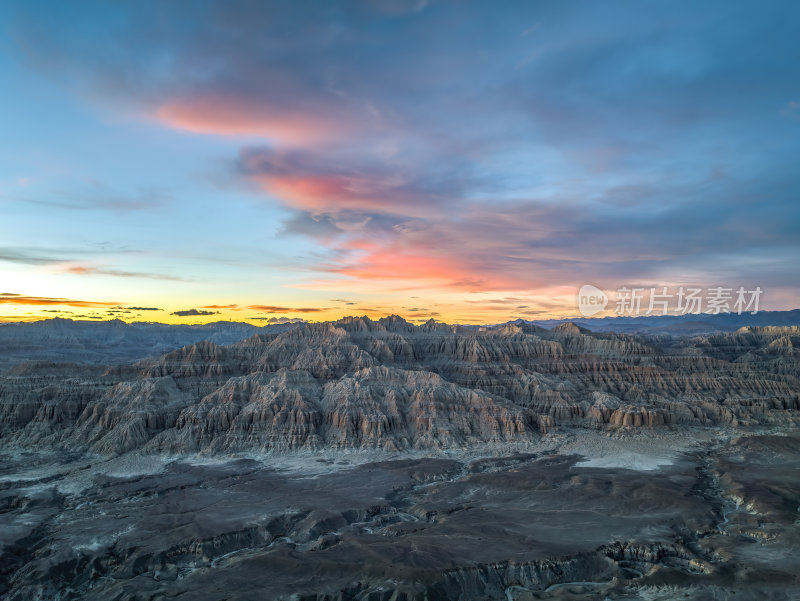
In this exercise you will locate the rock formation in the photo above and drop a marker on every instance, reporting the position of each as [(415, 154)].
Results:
[(388, 384)]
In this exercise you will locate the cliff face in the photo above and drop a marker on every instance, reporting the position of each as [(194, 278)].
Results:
[(388, 384)]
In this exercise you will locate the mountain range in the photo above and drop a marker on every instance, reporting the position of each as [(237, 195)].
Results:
[(392, 385)]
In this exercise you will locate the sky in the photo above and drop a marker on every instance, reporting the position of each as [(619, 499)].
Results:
[(472, 162)]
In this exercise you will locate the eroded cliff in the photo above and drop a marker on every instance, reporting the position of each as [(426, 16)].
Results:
[(388, 384)]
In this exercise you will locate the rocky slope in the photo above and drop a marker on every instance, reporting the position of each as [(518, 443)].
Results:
[(388, 384)]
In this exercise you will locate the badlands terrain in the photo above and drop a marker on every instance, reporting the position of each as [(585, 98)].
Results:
[(380, 460)]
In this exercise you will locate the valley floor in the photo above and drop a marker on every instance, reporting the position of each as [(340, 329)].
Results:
[(700, 514)]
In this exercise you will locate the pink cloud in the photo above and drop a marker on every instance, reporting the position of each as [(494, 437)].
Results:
[(306, 181), (418, 265), (231, 115), (523, 247), (335, 193)]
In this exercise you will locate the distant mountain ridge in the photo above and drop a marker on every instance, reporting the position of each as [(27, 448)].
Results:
[(691, 323), (116, 341)]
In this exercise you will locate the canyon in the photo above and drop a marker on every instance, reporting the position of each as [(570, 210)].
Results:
[(378, 459)]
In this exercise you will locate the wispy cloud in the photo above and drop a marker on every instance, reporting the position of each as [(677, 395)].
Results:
[(26, 257), (71, 261), (93, 195), (119, 273), (18, 299), (278, 309)]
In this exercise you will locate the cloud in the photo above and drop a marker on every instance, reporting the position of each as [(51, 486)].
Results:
[(219, 307), (18, 299), (520, 150), (94, 195), (226, 114), (277, 309), (25, 257), (404, 263), (332, 182), (118, 273), (381, 310), (508, 300), (67, 260), (278, 320), (144, 309), (193, 313), (535, 244)]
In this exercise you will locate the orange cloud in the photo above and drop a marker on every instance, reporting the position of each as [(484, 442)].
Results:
[(228, 115), (17, 299)]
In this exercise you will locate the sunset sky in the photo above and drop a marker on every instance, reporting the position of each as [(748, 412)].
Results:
[(473, 162)]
